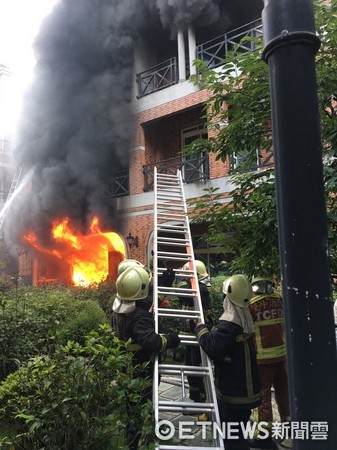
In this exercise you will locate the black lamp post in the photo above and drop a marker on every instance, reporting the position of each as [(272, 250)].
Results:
[(290, 48)]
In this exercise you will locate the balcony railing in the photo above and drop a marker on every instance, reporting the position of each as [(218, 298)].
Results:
[(239, 162), (192, 169), (117, 185), (158, 77), (215, 51)]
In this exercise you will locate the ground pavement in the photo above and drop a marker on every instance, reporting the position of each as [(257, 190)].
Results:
[(197, 436)]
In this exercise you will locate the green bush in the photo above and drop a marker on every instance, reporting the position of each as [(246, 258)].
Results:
[(104, 293), (216, 295), (32, 319), (87, 319), (78, 398)]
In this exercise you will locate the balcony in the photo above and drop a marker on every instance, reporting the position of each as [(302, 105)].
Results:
[(117, 185), (213, 52), (158, 77), (192, 168)]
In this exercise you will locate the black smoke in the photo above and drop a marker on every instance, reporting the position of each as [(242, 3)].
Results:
[(177, 14), (76, 125)]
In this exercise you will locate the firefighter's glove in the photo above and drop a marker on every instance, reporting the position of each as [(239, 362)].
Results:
[(173, 340), (167, 278)]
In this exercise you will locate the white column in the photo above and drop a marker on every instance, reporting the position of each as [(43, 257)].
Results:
[(181, 56), (192, 49)]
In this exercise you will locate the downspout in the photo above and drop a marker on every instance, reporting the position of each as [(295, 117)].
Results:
[(290, 46)]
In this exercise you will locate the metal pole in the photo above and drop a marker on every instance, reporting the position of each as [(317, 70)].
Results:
[(290, 48)]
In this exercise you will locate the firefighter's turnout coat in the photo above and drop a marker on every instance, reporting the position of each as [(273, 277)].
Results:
[(237, 379), (267, 313)]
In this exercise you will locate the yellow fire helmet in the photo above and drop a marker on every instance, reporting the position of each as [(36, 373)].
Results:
[(133, 283), (200, 269), (238, 289), (262, 285), (128, 263), (122, 266)]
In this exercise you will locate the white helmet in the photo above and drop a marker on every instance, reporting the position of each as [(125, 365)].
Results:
[(238, 290)]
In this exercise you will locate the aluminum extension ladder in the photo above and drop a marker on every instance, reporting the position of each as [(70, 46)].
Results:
[(14, 185), (172, 230)]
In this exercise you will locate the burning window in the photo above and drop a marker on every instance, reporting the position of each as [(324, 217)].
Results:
[(86, 255)]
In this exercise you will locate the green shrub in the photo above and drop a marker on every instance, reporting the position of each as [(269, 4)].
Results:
[(104, 293), (87, 319), (78, 398), (31, 321), (216, 295)]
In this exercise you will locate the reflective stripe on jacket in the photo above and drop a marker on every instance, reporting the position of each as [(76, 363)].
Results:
[(237, 378), (267, 313)]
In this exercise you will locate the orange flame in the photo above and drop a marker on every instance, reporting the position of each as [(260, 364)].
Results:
[(86, 254)]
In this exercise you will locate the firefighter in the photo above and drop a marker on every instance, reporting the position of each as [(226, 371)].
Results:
[(266, 308), (139, 327), (119, 307), (231, 347), (192, 353)]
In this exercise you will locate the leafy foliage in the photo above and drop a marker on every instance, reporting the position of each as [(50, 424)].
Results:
[(216, 295), (33, 320), (78, 398), (237, 114)]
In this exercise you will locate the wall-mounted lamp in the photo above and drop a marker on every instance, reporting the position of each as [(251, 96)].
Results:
[(132, 241)]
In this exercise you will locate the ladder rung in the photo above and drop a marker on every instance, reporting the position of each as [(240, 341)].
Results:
[(164, 239), (177, 230), (172, 244), (170, 207), (176, 294), (186, 255), (175, 258), (170, 216), (162, 290), (176, 314), (188, 339), (188, 407), (167, 184), (166, 175), (167, 205), (163, 209), (172, 194), (178, 272), (198, 371), (183, 273), (168, 226), (167, 179)]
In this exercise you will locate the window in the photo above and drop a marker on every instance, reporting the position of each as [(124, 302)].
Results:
[(212, 255), (195, 166), (242, 160)]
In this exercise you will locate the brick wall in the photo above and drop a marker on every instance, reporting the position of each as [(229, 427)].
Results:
[(157, 137)]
